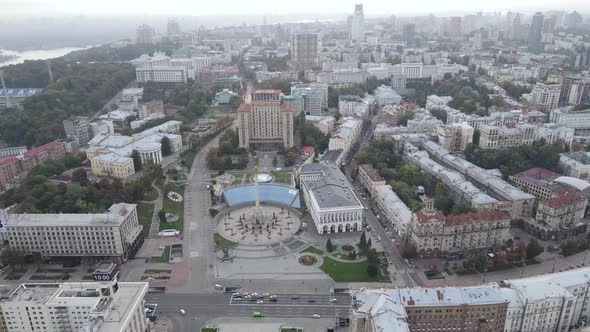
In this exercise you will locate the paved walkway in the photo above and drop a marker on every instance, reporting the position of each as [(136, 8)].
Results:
[(158, 202)]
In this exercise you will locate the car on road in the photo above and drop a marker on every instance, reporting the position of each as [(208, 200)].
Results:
[(218, 286), (266, 294), (333, 300), (316, 316), (259, 302), (182, 312), (257, 314), (295, 297), (311, 301), (168, 233), (236, 294)]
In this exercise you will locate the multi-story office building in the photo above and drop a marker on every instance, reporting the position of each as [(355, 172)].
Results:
[(300, 89), (354, 105), (575, 89), (566, 116), (535, 33), (394, 209), (145, 35), (173, 28), (545, 96), (77, 128), (113, 166), (576, 164), (520, 204), (108, 306), (433, 233), (499, 138), (330, 199), (370, 178), (10, 171), (265, 122), (345, 137), (559, 217), (536, 181), (305, 50), (40, 154), (115, 234), (357, 28), (161, 75), (454, 137), (427, 309)]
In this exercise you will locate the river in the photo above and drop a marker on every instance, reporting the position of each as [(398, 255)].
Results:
[(37, 54)]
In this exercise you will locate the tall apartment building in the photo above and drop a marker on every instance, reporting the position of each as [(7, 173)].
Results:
[(265, 122), (357, 28), (145, 35), (576, 164), (535, 33), (430, 309), (77, 128), (394, 210), (536, 181), (305, 50), (161, 75), (109, 306), (115, 234), (330, 199), (370, 178), (558, 217), (454, 137), (433, 233), (345, 137), (545, 96), (498, 138)]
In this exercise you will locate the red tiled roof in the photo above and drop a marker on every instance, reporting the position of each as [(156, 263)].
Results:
[(567, 198), (477, 216), (245, 108), (8, 161), (43, 148), (423, 217), (307, 150)]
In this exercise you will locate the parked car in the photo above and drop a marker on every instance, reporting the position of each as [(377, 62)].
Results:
[(168, 233), (259, 302), (316, 316)]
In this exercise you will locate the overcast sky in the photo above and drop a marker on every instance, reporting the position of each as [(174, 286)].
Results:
[(205, 7)]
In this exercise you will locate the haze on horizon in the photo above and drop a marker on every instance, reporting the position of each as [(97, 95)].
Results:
[(270, 7)]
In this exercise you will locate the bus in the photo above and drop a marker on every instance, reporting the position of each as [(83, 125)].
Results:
[(257, 314)]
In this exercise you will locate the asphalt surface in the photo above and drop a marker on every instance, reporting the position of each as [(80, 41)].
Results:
[(203, 307)]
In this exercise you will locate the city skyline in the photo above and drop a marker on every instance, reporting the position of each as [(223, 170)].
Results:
[(234, 7)]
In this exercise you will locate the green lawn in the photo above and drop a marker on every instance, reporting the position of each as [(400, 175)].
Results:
[(281, 177), (188, 156), (145, 212), (209, 329), (313, 250), (156, 271), (151, 194), (349, 272), (162, 259), (221, 242), (174, 208), (291, 329)]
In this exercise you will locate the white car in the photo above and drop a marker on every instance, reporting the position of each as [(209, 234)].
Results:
[(333, 300), (316, 316), (168, 232), (182, 312), (260, 302)]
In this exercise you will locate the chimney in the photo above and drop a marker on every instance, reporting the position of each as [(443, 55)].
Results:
[(411, 301), (439, 294)]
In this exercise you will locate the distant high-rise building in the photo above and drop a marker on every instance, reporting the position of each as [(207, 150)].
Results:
[(545, 96), (146, 34), (455, 27), (358, 23), (536, 33), (173, 27), (573, 20), (304, 50), (409, 32)]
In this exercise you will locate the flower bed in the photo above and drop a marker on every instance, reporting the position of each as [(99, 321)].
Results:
[(307, 260), (174, 196)]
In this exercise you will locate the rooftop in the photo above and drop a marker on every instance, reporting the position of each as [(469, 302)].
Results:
[(568, 198), (469, 218), (371, 172), (43, 148), (114, 216), (332, 190)]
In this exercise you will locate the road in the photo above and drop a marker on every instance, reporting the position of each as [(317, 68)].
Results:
[(409, 278), (113, 100), (203, 307)]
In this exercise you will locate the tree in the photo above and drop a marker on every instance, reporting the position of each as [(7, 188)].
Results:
[(476, 135), (166, 147), (481, 262), (372, 256), (570, 247), (369, 244), (329, 246), (162, 216), (13, 257), (409, 250), (337, 116), (79, 176), (363, 241), (372, 270), (136, 160), (533, 249)]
